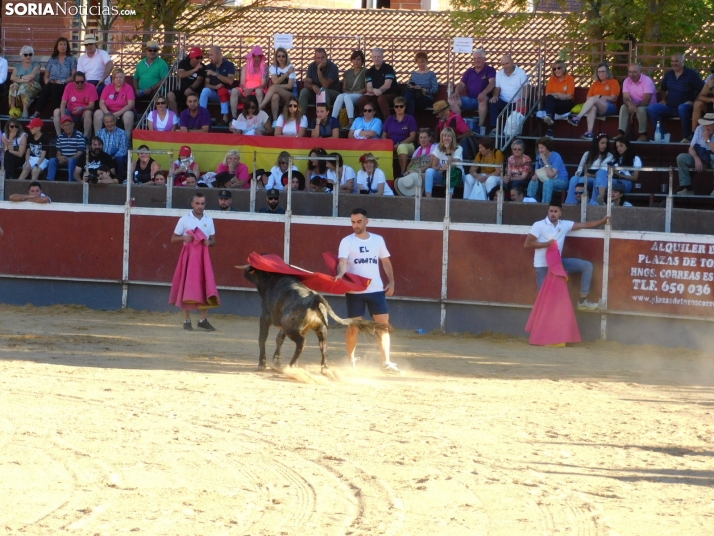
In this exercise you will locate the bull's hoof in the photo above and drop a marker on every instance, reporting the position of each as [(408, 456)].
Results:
[(261, 367)]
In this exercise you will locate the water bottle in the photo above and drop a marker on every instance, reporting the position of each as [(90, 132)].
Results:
[(421, 331), (658, 132)]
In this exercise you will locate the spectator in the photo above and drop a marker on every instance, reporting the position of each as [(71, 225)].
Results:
[(291, 122), (549, 170), (318, 187), (699, 155), (445, 153), (601, 99), (518, 167), (370, 179), (253, 79), (366, 127), (298, 181), (118, 99), (36, 155), (680, 85), (149, 73), (494, 193), (78, 101), (261, 179), (617, 196), (353, 87), (88, 164), (324, 125), (420, 162), (162, 119), (637, 92), (195, 118), (34, 195), (59, 72), (252, 121), (559, 95), (278, 170), (518, 194), (317, 169), (511, 85), (624, 156), (3, 72), (232, 164), (189, 181), (323, 77), (225, 201), (481, 179), (159, 179), (14, 145), (705, 99), (580, 191), (95, 63), (448, 118), (220, 75), (401, 130), (115, 142), (144, 168), (478, 81), (597, 157), (106, 176), (25, 80), (381, 84), (273, 197), (282, 79), (340, 175), (422, 86), (183, 166), (191, 74), (70, 147)]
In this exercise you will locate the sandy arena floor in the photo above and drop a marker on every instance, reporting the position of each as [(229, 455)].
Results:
[(117, 422)]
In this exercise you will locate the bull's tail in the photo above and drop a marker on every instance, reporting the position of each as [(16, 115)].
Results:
[(368, 327)]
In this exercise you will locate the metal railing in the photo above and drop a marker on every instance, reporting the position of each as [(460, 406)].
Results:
[(509, 123), (170, 83)]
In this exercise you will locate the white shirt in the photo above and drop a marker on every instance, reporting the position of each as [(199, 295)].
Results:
[(276, 178), (189, 222), (279, 71), (598, 163), (93, 68), (377, 179), (3, 70), (545, 231), (290, 128), (347, 174), (363, 258), (510, 85), (456, 156), (162, 124)]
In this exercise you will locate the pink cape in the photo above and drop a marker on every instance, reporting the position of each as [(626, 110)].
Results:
[(312, 280), (552, 320), (194, 286)]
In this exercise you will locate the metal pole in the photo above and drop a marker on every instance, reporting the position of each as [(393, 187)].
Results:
[(336, 190), (127, 231), (85, 193), (445, 250), (670, 202), (417, 199), (288, 213), (253, 183), (584, 201), (170, 182), (499, 203), (606, 256)]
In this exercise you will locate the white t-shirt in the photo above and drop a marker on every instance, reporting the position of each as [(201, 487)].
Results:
[(249, 126), (510, 85), (279, 71), (456, 156), (93, 68), (347, 174), (189, 222), (377, 179), (289, 128), (363, 258), (545, 231), (276, 178), (162, 124)]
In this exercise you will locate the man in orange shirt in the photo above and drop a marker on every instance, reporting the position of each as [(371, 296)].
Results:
[(602, 96), (559, 95)]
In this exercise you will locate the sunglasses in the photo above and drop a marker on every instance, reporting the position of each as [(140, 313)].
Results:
[(79, 81), (281, 56), (28, 55), (398, 106), (152, 49), (580, 192), (368, 110), (291, 105), (557, 69), (160, 102), (12, 126), (273, 199)]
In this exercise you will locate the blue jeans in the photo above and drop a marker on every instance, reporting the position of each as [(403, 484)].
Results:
[(601, 182), (208, 94), (432, 177), (469, 103), (494, 109), (572, 266), (54, 164), (574, 181), (549, 186), (658, 112)]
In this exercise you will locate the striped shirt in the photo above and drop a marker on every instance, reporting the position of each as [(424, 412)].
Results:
[(115, 143), (426, 80), (69, 145)]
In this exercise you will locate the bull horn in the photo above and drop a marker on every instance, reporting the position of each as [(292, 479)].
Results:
[(243, 267)]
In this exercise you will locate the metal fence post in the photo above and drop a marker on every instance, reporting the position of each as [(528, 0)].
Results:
[(127, 233), (253, 183), (445, 250), (288, 213), (499, 203), (670, 202), (606, 255)]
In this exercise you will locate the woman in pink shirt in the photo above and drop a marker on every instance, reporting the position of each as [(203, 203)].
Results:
[(116, 98), (233, 165)]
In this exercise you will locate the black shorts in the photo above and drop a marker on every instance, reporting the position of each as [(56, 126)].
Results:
[(376, 303)]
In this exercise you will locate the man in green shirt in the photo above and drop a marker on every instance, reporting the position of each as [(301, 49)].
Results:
[(150, 72)]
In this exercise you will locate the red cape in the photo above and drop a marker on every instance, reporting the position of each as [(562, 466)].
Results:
[(194, 286), (552, 320), (312, 280)]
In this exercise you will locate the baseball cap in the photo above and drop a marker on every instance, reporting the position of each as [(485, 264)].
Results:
[(152, 44), (67, 119), (185, 150), (224, 194), (36, 122), (196, 52), (272, 193)]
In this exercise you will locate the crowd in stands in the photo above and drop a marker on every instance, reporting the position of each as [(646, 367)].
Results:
[(95, 113)]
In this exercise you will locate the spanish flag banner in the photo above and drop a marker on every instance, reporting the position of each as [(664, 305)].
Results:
[(210, 149)]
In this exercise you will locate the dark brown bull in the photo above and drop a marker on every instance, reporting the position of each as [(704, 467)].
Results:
[(295, 309)]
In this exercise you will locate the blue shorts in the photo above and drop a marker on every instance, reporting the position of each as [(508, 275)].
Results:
[(376, 303)]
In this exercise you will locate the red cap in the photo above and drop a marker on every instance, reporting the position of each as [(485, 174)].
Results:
[(67, 119), (185, 150), (36, 123), (196, 52), (223, 94)]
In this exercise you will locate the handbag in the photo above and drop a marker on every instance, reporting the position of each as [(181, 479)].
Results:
[(344, 118), (542, 174), (455, 177)]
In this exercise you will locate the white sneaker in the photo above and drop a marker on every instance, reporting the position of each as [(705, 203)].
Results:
[(585, 305), (390, 368)]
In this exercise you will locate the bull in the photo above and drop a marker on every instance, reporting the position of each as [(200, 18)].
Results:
[(296, 309)]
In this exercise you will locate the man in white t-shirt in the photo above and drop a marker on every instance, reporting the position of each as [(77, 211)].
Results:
[(509, 81), (360, 254), (552, 229), (196, 219), (95, 63)]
